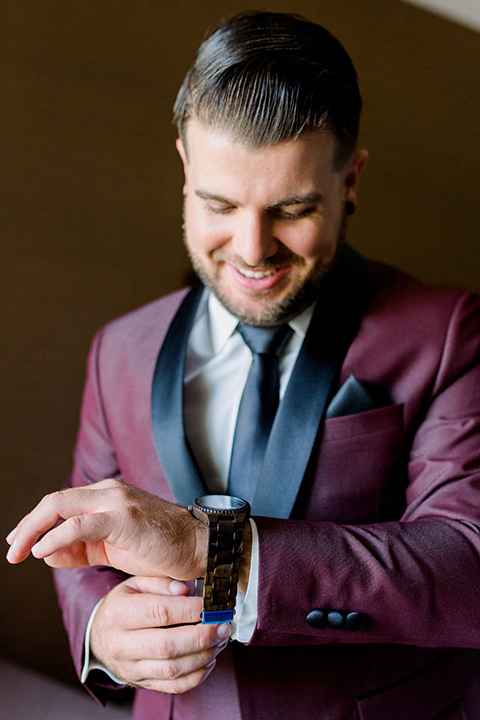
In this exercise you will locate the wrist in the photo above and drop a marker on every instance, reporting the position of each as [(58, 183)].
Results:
[(201, 548), (224, 517)]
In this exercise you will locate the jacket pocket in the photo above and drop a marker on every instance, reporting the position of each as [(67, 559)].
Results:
[(370, 422), (359, 473), (426, 694)]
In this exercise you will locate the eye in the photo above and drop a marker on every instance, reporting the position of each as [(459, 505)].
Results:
[(298, 215), (219, 209)]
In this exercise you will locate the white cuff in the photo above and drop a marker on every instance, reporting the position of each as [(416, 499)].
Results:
[(90, 662), (246, 613)]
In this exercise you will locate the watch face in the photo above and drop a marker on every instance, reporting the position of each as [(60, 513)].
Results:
[(221, 503)]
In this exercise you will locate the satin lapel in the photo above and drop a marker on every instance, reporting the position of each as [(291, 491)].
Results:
[(335, 322), (173, 449)]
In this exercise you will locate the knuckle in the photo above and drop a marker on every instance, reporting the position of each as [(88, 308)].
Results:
[(208, 656), (110, 616), (160, 615), (54, 498), (109, 482), (115, 649), (75, 524), (163, 648), (177, 689), (169, 670), (207, 637)]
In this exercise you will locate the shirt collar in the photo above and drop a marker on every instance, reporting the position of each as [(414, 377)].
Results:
[(223, 323)]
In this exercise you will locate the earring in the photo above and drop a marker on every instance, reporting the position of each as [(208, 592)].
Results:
[(350, 207)]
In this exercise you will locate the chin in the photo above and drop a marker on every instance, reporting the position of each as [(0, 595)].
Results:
[(264, 311)]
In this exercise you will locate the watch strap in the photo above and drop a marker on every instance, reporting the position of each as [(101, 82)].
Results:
[(223, 563)]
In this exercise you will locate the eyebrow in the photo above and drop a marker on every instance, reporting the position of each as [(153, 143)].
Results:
[(297, 200), (313, 197)]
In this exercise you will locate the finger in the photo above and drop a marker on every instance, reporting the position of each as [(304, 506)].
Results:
[(177, 642), (52, 508), (180, 685), (148, 610), (96, 527), (175, 668), (157, 585)]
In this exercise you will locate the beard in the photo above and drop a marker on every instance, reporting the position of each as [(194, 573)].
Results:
[(274, 311)]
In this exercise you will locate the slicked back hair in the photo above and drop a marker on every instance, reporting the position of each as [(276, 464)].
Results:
[(265, 78)]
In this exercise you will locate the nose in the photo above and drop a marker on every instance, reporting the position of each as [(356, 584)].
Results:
[(254, 240)]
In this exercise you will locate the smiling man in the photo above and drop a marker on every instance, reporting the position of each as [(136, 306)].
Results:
[(263, 224), (337, 397)]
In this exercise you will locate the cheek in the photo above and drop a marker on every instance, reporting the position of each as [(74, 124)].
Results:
[(205, 233), (310, 242)]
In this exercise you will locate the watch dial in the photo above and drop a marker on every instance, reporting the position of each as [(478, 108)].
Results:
[(221, 502)]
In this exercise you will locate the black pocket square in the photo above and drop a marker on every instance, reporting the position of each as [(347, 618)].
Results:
[(354, 397)]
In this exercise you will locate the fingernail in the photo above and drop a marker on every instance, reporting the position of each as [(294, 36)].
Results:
[(11, 551), (34, 549), (210, 664), (222, 644), (11, 536), (224, 631), (177, 587)]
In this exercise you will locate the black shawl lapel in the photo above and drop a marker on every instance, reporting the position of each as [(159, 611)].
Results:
[(337, 316), (173, 449), (335, 322)]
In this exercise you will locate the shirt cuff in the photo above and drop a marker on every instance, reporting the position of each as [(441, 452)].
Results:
[(90, 662), (246, 613)]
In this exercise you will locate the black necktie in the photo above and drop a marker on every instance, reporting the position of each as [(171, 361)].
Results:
[(257, 407)]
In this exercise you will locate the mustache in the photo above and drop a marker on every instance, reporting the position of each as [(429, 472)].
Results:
[(275, 262)]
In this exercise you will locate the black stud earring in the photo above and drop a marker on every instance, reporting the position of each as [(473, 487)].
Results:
[(350, 207)]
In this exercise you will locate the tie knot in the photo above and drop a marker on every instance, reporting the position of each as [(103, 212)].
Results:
[(268, 340)]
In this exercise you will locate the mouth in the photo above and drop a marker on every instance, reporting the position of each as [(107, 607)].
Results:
[(256, 279), (256, 274)]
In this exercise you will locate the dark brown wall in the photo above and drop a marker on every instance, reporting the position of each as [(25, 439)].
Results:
[(91, 205)]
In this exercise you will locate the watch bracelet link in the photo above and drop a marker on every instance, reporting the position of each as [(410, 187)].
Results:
[(223, 563)]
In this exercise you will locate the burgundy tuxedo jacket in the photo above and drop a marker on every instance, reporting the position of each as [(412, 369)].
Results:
[(383, 541)]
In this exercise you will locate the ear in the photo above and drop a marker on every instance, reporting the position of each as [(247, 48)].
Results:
[(352, 175), (182, 152)]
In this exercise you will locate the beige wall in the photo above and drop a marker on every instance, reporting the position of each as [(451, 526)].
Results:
[(91, 205)]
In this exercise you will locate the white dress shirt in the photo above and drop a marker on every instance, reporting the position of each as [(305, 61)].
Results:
[(217, 366)]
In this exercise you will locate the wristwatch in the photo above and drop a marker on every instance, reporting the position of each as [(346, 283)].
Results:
[(225, 516)]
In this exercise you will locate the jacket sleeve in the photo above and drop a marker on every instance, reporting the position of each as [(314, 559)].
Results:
[(416, 578), (80, 589)]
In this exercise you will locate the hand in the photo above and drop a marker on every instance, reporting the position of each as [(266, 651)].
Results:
[(132, 635), (112, 523)]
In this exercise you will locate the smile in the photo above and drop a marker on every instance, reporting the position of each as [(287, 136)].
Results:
[(256, 274), (257, 280)]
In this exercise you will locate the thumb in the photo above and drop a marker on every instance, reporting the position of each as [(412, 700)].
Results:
[(158, 585)]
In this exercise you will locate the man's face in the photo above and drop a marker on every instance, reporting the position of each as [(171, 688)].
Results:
[(262, 225)]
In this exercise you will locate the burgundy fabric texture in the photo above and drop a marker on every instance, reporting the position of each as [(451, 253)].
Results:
[(386, 524)]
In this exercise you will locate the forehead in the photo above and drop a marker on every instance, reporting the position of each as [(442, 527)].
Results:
[(217, 161)]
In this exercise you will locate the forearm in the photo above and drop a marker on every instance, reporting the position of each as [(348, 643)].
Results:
[(415, 583)]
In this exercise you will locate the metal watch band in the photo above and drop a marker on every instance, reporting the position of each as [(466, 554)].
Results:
[(223, 562)]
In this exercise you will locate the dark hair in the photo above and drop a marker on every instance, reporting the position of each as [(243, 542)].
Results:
[(268, 77)]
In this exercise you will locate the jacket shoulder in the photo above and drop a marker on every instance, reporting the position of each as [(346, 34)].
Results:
[(404, 300), (146, 322)]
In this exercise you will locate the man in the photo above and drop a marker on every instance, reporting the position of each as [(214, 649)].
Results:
[(361, 566)]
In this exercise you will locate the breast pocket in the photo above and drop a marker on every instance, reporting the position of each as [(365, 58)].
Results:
[(358, 474)]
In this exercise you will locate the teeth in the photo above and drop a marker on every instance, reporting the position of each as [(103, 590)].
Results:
[(255, 275)]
